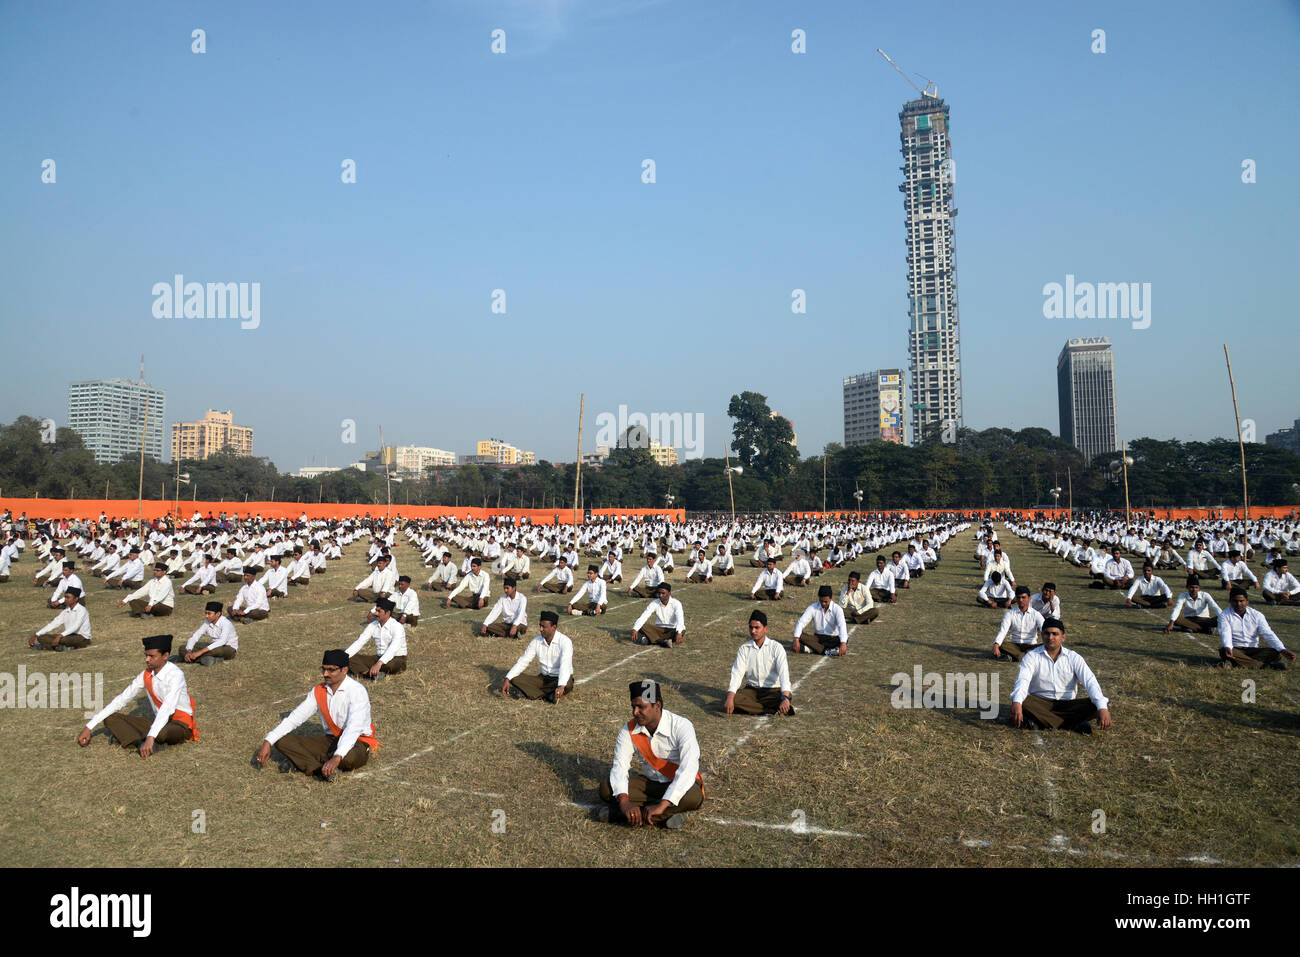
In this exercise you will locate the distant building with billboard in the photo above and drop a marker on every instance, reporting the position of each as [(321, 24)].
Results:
[(873, 407), (1085, 385)]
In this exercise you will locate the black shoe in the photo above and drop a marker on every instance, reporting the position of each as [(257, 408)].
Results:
[(665, 643), (515, 692), (1275, 665), (1083, 727), (549, 697), (643, 640)]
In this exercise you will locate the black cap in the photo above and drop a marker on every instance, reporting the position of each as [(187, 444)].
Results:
[(758, 616), (647, 690), (214, 606), (73, 590), (1053, 623), (823, 592), (385, 604), (510, 583), (338, 658), (550, 616), (157, 643)]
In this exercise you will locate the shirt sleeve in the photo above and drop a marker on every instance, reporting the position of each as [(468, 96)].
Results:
[(737, 671), (841, 625), (566, 662), (618, 771), (1023, 678), (803, 621), (525, 659), (1006, 627), (1083, 674), (361, 641), (198, 633), (120, 702), (494, 614), (645, 616)]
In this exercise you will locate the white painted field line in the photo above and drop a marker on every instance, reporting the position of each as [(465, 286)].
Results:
[(766, 719), (1189, 634), (597, 674)]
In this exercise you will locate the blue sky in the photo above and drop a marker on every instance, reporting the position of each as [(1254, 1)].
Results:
[(522, 171)]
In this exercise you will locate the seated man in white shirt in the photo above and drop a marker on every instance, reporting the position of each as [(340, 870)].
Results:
[(250, 604), (669, 626), (760, 675), (670, 755), (173, 720), (1021, 624), (1195, 611), (612, 569), (68, 578), (1149, 591), (855, 598), (509, 616), (798, 572), (223, 641), (390, 645), (1240, 629), (596, 592), (1235, 572), (898, 568), (559, 580), (1280, 586), (770, 584), (203, 581), (723, 563), (275, 579), (156, 597), (1047, 603), (72, 625), (444, 574), (995, 593), (880, 582), (343, 706), (473, 590), (554, 653), (830, 632), (1118, 572), (701, 569), (1043, 696), (406, 603)]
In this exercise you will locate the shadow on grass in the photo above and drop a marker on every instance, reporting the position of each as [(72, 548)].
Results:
[(578, 774), (705, 697)]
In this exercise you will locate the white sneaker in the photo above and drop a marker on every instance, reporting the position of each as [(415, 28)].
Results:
[(832, 652)]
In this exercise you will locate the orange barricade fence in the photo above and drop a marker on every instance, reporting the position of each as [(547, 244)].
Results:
[(129, 509), (925, 513)]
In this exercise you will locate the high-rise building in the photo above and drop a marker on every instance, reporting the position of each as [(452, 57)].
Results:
[(216, 432), (664, 455), (110, 415), (934, 342), (873, 408), (417, 458), (503, 453), (1085, 385), (1286, 438)]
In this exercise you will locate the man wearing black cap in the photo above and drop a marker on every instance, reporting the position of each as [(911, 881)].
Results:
[(343, 707), (830, 632), (275, 579), (1236, 573), (250, 603), (1280, 586), (1043, 696), (560, 579), (1240, 628), (473, 590), (597, 595), (232, 567), (509, 616), (130, 573), (406, 603), (390, 643), (299, 568), (763, 670), (670, 756), (223, 642), (855, 598), (68, 579), (770, 584), (554, 652), (379, 582), (156, 597), (49, 574), (669, 626), (204, 579), (1021, 623), (172, 703), (72, 625)]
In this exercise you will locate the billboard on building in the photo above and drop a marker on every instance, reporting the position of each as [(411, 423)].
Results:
[(891, 407)]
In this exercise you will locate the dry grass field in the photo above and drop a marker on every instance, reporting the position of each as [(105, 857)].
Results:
[(1189, 774)]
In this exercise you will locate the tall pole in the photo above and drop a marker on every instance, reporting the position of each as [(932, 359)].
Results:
[(1123, 461), (139, 522), (577, 468), (1069, 481), (1245, 500), (823, 481), (730, 489), (176, 491), (388, 477)]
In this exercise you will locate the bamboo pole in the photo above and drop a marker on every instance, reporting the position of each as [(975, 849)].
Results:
[(1069, 481), (388, 477), (1245, 499), (1123, 461), (577, 469), (726, 454)]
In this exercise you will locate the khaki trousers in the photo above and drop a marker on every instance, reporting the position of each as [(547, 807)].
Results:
[(360, 664), (1151, 601), (642, 791), (1252, 657), (862, 617), (138, 605), (819, 643), (1059, 714), (258, 615), (67, 641), (644, 592), (196, 590), (538, 686), (1016, 651), (758, 701), (1202, 626), (501, 629), (309, 753), (879, 594), (766, 594), (556, 587), (225, 651), (658, 632), (129, 730), (465, 600)]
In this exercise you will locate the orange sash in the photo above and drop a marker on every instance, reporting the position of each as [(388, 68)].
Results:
[(178, 714), (322, 702), (665, 767)]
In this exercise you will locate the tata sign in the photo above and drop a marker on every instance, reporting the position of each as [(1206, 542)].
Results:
[(1091, 341)]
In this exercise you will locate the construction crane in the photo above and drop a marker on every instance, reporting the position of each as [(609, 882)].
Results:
[(930, 89)]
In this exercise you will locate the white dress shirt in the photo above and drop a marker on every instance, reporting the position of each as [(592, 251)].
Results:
[(251, 597), (768, 581), (1202, 606), (156, 591), (597, 590), (760, 667), (882, 580), (514, 611), (349, 706), (70, 621), (1244, 631), (1149, 588), (668, 615), (220, 633), (1021, 626), (168, 684), (673, 740), (1056, 680), (825, 621), (389, 638), (555, 658)]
